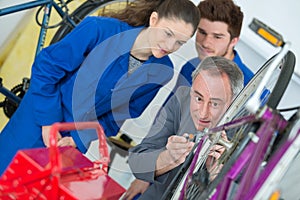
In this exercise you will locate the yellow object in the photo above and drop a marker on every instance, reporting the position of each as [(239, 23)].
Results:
[(271, 38), (275, 195)]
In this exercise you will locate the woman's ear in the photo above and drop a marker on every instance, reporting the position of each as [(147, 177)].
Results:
[(153, 18)]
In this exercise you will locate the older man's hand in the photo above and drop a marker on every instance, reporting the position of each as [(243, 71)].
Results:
[(212, 164), (177, 149)]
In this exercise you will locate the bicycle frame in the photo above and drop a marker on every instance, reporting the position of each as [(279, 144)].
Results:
[(46, 17), (252, 156), (276, 168)]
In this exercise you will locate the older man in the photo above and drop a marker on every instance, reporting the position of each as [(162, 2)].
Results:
[(216, 81)]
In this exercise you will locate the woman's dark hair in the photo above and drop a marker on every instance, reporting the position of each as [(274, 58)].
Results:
[(137, 13)]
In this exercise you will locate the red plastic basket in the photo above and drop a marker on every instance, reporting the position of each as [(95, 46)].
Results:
[(60, 172)]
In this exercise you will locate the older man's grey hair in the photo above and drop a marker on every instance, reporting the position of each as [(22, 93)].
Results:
[(217, 65)]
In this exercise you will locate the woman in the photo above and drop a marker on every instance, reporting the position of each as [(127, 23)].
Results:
[(107, 69)]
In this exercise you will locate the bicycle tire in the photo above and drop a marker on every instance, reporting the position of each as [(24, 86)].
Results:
[(85, 9), (283, 81), (276, 89)]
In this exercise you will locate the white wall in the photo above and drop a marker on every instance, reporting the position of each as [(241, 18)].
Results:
[(282, 16)]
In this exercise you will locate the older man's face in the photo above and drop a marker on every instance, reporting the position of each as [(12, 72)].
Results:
[(210, 97)]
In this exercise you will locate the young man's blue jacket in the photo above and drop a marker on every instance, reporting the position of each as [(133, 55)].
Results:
[(188, 68), (84, 77)]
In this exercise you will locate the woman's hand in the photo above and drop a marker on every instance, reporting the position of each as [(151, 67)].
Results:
[(46, 135), (61, 141), (136, 187), (66, 141)]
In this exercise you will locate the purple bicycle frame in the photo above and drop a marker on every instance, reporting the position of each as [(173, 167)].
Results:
[(251, 157), (289, 149)]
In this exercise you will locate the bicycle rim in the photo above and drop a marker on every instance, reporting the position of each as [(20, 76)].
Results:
[(276, 86), (88, 8)]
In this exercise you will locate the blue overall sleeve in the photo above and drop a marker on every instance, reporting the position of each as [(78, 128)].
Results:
[(54, 63)]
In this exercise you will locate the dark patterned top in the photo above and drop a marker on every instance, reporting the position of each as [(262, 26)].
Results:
[(134, 64)]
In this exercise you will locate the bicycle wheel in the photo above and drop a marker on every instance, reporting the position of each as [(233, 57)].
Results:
[(271, 96), (88, 8), (274, 91)]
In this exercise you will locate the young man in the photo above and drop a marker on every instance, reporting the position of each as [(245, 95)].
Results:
[(218, 33), (216, 82)]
